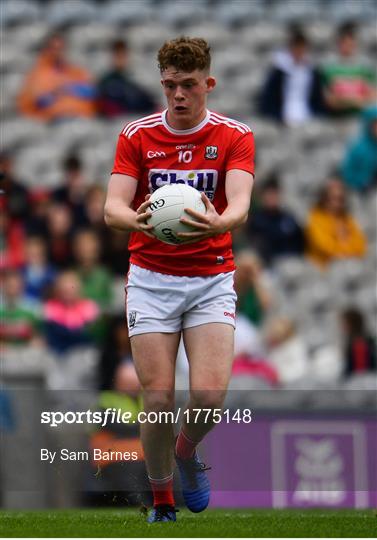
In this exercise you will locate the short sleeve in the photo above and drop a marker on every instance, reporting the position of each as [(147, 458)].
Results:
[(241, 154), (127, 157)]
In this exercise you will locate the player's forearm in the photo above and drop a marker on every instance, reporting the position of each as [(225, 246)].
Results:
[(235, 214), (120, 217)]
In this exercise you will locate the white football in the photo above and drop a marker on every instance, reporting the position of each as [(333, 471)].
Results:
[(167, 207)]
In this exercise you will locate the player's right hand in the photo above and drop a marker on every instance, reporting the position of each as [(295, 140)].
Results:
[(142, 215)]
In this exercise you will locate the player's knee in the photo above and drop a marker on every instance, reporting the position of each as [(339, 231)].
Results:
[(207, 399), (158, 400)]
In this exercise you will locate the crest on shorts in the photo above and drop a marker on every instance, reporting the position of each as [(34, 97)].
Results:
[(131, 319), (211, 152)]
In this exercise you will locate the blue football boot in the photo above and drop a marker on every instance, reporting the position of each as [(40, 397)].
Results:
[(194, 481), (162, 513)]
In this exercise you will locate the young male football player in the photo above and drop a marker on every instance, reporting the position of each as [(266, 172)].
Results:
[(187, 288)]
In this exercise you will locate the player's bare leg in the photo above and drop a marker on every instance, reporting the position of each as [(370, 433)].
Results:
[(209, 348), (155, 356), (210, 351)]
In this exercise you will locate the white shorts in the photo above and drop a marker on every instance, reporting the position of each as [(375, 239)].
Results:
[(165, 303)]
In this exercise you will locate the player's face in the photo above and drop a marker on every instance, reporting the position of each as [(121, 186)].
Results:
[(186, 95)]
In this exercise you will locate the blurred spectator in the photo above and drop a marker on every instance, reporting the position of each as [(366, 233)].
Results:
[(12, 190), (274, 231), (73, 190), (349, 80), (116, 252), (69, 318), (116, 349), (120, 479), (253, 287), (359, 346), (40, 202), (96, 281), (20, 318), (118, 94), (359, 168), (56, 89), (286, 350), (331, 231), (94, 203), (292, 91), (250, 354), (12, 234), (60, 230), (38, 274)]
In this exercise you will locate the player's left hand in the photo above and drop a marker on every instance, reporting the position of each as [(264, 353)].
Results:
[(205, 225)]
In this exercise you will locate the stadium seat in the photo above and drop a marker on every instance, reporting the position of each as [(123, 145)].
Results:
[(13, 13), (18, 132), (220, 39), (75, 370), (89, 37), (126, 13), (295, 10), (264, 36), (38, 165), (10, 86), (180, 13), (239, 12), (69, 13), (349, 275), (147, 38), (27, 37), (362, 10)]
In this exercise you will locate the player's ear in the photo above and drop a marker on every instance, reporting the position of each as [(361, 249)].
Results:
[(210, 83)]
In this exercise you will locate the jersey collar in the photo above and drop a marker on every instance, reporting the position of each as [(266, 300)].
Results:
[(185, 131)]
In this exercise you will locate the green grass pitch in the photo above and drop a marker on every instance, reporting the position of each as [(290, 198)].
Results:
[(211, 523)]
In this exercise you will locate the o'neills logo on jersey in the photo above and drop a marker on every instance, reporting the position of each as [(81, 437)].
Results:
[(202, 180)]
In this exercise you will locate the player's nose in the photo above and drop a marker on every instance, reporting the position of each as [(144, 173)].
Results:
[(179, 96)]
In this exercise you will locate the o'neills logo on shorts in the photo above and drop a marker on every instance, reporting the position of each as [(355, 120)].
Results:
[(231, 315), (131, 319), (203, 180)]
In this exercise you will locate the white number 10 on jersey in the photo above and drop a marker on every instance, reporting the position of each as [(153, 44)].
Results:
[(184, 156)]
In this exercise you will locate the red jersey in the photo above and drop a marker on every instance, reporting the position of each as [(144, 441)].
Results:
[(155, 154)]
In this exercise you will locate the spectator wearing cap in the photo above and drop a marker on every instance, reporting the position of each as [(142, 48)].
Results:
[(20, 318), (359, 346), (56, 89), (359, 167), (349, 79), (118, 94), (331, 231), (292, 92), (273, 230)]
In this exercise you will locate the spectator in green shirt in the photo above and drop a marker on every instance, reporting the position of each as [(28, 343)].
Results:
[(96, 280), (349, 79), (253, 287), (20, 318)]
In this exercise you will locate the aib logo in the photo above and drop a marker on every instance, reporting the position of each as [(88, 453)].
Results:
[(204, 180)]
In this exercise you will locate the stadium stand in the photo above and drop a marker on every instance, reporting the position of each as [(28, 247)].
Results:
[(244, 37)]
